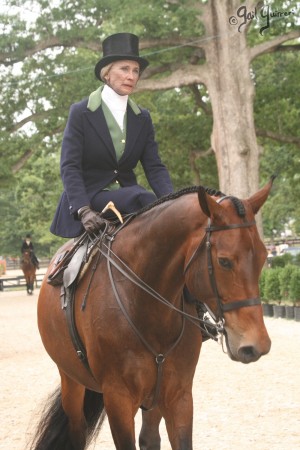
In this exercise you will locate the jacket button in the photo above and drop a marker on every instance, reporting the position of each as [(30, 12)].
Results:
[(115, 171)]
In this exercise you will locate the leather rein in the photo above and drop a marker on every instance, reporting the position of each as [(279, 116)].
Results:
[(113, 259), (159, 357)]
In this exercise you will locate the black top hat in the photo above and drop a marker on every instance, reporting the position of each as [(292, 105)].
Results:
[(120, 46)]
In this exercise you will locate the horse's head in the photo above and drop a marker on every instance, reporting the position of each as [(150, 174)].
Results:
[(226, 279)]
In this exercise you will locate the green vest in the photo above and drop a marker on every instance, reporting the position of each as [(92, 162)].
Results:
[(118, 136)]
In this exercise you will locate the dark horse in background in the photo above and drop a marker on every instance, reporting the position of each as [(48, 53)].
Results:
[(141, 340), (29, 270)]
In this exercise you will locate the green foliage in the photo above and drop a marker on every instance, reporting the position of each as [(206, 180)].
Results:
[(38, 87), (296, 259), (277, 109), (29, 207), (278, 24), (176, 147), (280, 285), (272, 285), (262, 283), (295, 286), (281, 260), (285, 277), (284, 260)]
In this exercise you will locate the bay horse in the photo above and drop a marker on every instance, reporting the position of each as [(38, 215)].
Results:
[(139, 341), (29, 270)]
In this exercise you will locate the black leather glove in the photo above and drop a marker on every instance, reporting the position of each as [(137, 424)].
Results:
[(91, 220)]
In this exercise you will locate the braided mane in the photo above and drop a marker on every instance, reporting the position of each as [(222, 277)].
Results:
[(240, 209), (239, 206), (174, 195)]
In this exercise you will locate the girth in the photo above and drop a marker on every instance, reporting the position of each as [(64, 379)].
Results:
[(70, 317)]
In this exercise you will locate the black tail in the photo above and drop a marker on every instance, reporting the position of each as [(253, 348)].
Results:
[(52, 432)]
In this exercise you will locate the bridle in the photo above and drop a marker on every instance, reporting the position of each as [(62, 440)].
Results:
[(221, 307)]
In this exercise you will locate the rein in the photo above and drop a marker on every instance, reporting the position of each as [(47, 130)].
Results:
[(222, 307), (159, 357), (131, 276)]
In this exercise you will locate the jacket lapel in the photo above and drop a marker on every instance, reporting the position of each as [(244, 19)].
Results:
[(98, 122), (135, 123)]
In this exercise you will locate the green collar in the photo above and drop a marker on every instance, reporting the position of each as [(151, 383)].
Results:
[(95, 101)]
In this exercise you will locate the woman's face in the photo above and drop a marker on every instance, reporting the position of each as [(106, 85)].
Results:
[(123, 76)]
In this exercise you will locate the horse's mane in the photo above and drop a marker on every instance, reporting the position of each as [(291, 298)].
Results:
[(240, 209)]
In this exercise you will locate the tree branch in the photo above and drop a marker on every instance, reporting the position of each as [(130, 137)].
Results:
[(22, 161), (199, 102), (288, 48), (28, 153), (278, 137), (176, 41), (10, 58), (31, 118), (187, 75), (273, 45), (193, 156)]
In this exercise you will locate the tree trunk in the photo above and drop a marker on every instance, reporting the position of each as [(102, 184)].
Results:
[(231, 92)]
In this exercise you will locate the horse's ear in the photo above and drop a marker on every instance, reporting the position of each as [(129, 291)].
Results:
[(203, 200), (258, 199), (209, 206)]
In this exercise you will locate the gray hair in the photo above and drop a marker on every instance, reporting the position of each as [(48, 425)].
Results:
[(104, 72)]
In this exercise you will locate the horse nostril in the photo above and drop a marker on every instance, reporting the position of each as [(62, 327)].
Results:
[(248, 354)]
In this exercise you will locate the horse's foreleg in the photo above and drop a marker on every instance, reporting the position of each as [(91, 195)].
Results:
[(149, 436), (120, 412), (32, 278), (28, 287), (72, 397), (179, 421)]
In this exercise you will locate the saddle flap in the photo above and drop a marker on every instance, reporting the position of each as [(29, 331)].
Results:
[(74, 266)]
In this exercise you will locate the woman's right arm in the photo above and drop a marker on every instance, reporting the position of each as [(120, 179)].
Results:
[(71, 160)]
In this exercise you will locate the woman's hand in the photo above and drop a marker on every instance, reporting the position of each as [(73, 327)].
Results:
[(91, 220)]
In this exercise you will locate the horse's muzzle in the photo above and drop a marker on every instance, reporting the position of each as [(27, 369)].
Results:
[(248, 353)]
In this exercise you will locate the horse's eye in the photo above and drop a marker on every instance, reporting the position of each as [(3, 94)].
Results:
[(225, 263)]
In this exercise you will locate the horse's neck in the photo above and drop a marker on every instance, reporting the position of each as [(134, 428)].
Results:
[(160, 240)]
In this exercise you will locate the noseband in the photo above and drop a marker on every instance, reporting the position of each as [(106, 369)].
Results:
[(222, 307)]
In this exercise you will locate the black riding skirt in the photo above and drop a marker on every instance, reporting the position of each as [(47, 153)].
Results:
[(126, 199)]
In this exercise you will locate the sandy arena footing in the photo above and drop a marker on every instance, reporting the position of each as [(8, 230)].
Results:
[(236, 406)]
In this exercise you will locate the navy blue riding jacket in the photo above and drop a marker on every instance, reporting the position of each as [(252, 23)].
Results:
[(89, 163)]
